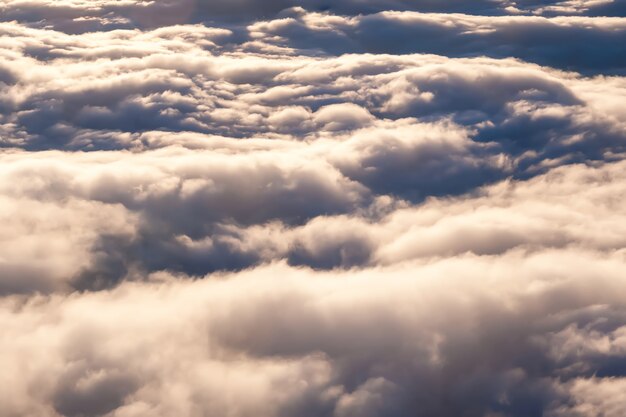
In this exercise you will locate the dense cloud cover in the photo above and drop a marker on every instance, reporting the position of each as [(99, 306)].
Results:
[(279, 208)]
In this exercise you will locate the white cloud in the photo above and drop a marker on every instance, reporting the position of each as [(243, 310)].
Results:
[(364, 208)]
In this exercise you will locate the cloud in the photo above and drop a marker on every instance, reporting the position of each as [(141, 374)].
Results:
[(342, 135), (111, 102), (535, 216), (419, 338), (80, 16), (350, 208), (174, 193), (563, 42), (131, 214)]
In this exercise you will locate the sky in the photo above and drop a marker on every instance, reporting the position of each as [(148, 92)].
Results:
[(280, 208)]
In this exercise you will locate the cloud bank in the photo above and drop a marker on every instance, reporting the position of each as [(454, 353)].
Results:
[(347, 209)]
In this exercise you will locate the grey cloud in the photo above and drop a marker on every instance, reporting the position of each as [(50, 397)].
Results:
[(106, 15), (91, 392), (7, 76), (566, 42), (562, 42)]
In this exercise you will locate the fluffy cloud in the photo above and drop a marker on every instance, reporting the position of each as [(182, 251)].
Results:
[(176, 210), (351, 208), (564, 42), (90, 94), (80, 15), (513, 335)]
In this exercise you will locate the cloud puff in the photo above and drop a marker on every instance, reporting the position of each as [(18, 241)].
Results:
[(535, 216)]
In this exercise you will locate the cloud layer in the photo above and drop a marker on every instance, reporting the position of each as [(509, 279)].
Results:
[(347, 209)]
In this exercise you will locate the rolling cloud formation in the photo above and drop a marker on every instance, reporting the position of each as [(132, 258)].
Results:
[(328, 209)]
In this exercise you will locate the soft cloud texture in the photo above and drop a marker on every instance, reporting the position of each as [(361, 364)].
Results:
[(347, 209), (513, 334)]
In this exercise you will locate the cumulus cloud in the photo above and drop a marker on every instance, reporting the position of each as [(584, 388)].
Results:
[(176, 84), (80, 16), (350, 208), (564, 41), (478, 335), (166, 210)]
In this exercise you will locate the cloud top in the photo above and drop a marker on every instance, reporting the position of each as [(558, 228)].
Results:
[(279, 208)]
